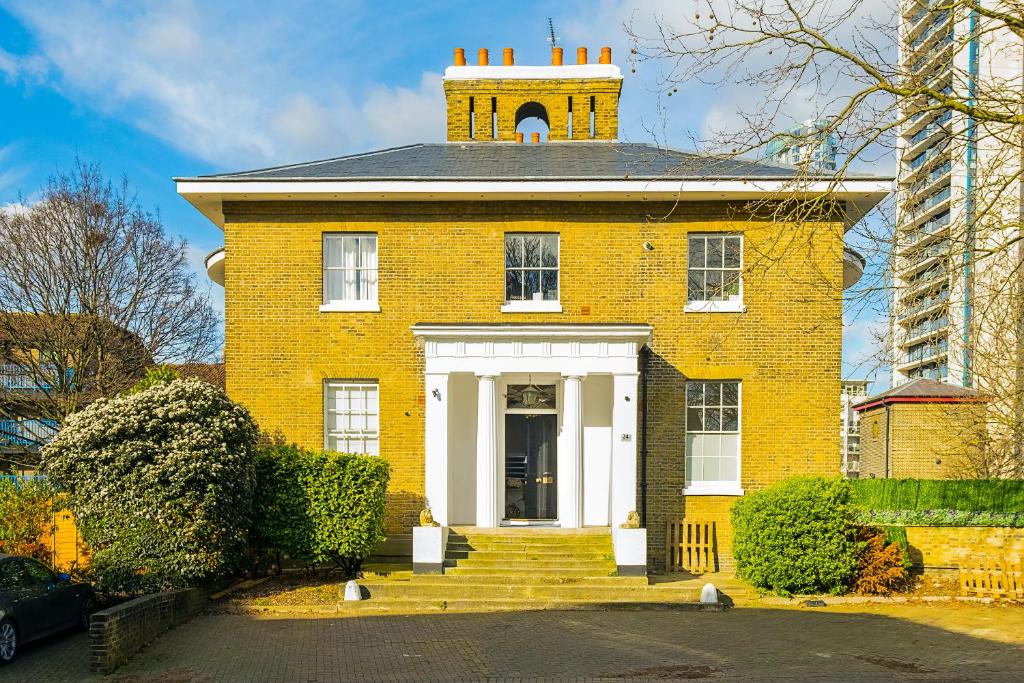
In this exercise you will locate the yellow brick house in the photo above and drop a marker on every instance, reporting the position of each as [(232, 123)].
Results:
[(553, 333)]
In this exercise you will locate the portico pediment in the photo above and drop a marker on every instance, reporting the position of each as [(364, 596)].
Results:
[(543, 348)]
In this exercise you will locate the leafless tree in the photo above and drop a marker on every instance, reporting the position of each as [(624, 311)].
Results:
[(92, 291), (886, 79)]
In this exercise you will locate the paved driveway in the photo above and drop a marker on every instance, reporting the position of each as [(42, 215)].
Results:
[(761, 644)]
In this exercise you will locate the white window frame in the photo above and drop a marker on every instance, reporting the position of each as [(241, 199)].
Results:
[(346, 384), (733, 304), (367, 305), (723, 487), (533, 305)]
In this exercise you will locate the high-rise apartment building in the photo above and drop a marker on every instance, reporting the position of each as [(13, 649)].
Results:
[(952, 169), (853, 391), (809, 143)]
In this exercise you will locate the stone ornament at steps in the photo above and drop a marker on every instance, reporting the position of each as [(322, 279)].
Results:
[(427, 518), (632, 521)]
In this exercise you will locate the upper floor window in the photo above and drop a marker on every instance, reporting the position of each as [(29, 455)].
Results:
[(714, 273), (352, 417), (350, 272), (713, 438), (531, 272)]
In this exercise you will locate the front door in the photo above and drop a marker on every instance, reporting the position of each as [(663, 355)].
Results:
[(531, 476)]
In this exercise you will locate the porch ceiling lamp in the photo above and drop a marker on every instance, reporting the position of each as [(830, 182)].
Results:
[(530, 394)]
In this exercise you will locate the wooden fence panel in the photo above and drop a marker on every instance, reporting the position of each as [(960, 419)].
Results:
[(62, 539), (992, 577), (690, 546)]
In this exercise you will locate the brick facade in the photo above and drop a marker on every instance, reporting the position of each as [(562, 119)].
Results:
[(917, 440), (444, 263), (552, 94)]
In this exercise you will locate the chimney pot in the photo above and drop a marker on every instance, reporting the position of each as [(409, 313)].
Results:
[(481, 56), (460, 57), (509, 59), (534, 137), (519, 137), (556, 56), (581, 55), (606, 55)]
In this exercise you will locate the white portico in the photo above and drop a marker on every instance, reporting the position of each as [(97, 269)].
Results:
[(531, 424)]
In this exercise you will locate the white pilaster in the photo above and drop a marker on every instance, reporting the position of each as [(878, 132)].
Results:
[(624, 437), (570, 455), (436, 486), (486, 454)]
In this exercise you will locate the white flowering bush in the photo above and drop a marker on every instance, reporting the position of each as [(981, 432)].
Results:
[(161, 484)]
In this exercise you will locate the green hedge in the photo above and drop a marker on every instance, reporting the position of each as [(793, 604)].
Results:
[(965, 495), (319, 507)]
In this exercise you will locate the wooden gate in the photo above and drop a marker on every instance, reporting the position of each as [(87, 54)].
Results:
[(690, 546), (992, 577)]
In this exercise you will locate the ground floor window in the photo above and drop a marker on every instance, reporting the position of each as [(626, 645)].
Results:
[(712, 433), (352, 417)]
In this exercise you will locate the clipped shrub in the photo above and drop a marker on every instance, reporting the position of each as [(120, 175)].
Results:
[(160, 482), (881, 564), (281, 520), (346, 495), (796, 536), (318, 506), (26, 510)]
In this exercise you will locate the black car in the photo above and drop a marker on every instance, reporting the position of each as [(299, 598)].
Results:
[(35, 602)]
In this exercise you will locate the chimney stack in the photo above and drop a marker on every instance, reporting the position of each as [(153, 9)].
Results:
[(481, 56), (507, 56), (534, 137), (581, 55), (556, 56), (460, 57), (606, 55)]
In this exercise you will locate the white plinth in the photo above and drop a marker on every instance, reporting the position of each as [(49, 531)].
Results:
[(428, 544)]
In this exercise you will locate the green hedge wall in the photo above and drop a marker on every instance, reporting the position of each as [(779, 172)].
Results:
[(941, 502), (964, 495)]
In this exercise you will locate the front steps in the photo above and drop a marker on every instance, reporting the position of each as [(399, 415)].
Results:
[(524, 568)]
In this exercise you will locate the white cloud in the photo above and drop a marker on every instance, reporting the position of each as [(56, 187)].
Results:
[(31, 68), (235, 93)]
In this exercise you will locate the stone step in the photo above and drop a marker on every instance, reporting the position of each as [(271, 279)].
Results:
[(526, 565), (450, 579), (534, 540), (599, 550), (519, 574), (533, 556), (532, 531), (528, 593), (459, 605)]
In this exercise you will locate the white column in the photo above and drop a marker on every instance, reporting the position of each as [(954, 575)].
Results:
[(570, 455), (436, 485), (624, 445), (486, 454)]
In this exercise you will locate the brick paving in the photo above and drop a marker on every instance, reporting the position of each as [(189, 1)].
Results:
[(852, 644)]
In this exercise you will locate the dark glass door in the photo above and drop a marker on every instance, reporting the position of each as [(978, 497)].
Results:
[(531, 481)]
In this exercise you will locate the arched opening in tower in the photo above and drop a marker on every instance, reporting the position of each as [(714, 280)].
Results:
[(532, 117)]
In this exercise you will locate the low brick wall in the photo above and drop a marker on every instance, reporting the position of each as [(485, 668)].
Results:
[(942, 547), (119, 632)]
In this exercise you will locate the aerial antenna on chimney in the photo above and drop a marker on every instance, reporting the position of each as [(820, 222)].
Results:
[(552, 38)]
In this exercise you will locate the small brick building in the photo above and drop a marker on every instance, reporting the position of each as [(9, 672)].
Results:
[(554, 333), (919, 430)]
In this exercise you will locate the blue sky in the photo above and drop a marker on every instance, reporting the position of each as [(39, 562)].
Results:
[(180, 87)]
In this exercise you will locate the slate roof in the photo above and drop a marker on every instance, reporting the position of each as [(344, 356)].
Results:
[(921, 388), (510, 161)]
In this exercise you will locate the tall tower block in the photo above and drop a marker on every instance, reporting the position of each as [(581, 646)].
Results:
[(577, 101)]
